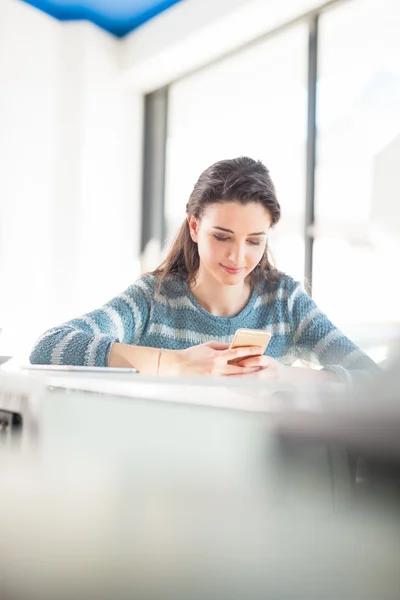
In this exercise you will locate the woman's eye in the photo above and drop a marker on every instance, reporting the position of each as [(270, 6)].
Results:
[(225, 239)]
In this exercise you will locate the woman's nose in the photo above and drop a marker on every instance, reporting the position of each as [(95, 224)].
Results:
[(236, 254)]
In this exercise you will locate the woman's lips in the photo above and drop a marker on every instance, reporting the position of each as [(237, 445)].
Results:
[(232, 270)]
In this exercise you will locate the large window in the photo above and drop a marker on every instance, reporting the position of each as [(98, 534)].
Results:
[(357, 203), (255, 104)]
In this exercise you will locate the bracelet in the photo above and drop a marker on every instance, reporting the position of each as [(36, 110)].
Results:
[(159, 359)]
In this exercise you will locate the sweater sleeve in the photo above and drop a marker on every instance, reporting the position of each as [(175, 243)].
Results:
[(316, 339), (86, 340)]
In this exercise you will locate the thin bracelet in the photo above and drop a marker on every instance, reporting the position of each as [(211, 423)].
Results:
[(159, 359)]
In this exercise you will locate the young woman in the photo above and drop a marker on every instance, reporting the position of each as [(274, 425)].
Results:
[(216, 278)]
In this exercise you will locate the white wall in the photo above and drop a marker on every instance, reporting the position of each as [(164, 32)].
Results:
[(28, 148), (69, 197)]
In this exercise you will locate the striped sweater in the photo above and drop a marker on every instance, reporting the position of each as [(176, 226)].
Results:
[(172, 318)]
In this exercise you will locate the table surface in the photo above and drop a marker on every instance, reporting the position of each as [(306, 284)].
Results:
[(176, 489)]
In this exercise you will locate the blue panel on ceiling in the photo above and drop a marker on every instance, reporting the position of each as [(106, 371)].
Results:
[(116, 16)]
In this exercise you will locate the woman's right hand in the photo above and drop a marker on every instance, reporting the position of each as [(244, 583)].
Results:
[(210, 358)]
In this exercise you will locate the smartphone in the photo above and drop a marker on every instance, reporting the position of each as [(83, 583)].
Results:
[(249, 337)]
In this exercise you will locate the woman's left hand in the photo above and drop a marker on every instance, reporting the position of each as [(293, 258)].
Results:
[(269, 368)]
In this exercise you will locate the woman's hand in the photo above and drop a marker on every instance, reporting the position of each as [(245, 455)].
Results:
[(210, 358), (268, 367)]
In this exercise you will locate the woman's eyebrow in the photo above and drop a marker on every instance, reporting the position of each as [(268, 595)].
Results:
[(230, 231)]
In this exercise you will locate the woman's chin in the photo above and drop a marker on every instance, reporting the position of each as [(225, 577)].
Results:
[(229, 279)]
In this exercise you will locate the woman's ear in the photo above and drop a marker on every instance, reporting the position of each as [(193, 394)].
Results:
[(193, 227)]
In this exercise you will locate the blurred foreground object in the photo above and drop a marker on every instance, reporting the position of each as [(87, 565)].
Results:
[(135, 497), (368, 421)]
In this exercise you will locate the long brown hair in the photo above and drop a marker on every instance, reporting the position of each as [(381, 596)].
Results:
[(242, 180)]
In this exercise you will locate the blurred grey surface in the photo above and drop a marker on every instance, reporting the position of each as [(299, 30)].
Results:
[(113, 497)]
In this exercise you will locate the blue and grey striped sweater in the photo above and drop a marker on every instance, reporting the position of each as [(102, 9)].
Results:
[(172, 318)]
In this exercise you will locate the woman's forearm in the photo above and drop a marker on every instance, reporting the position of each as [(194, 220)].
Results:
[(145, 360)]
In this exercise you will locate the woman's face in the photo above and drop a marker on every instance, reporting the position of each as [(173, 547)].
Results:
[(231, 239)]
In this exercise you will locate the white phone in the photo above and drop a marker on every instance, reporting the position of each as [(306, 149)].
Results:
[(249, 337)]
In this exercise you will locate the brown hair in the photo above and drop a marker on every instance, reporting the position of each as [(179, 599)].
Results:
[(242, 180)]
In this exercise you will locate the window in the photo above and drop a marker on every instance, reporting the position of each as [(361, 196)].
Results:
[(357, 203), (253, 103)]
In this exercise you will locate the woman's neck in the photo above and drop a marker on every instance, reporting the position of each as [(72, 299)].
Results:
[(219, 299)]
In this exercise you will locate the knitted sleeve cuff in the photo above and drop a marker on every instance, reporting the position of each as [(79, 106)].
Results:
[(96, 352), (107, 356)]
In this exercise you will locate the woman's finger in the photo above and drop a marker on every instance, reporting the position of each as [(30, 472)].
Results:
[(217, 345), (249, 371), (242, 352), (254, 361), (235, 370)]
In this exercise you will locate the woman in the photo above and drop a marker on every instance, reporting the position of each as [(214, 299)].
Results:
[(216, 278)]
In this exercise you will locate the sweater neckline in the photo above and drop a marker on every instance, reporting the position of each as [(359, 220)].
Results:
[(239, 316)]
